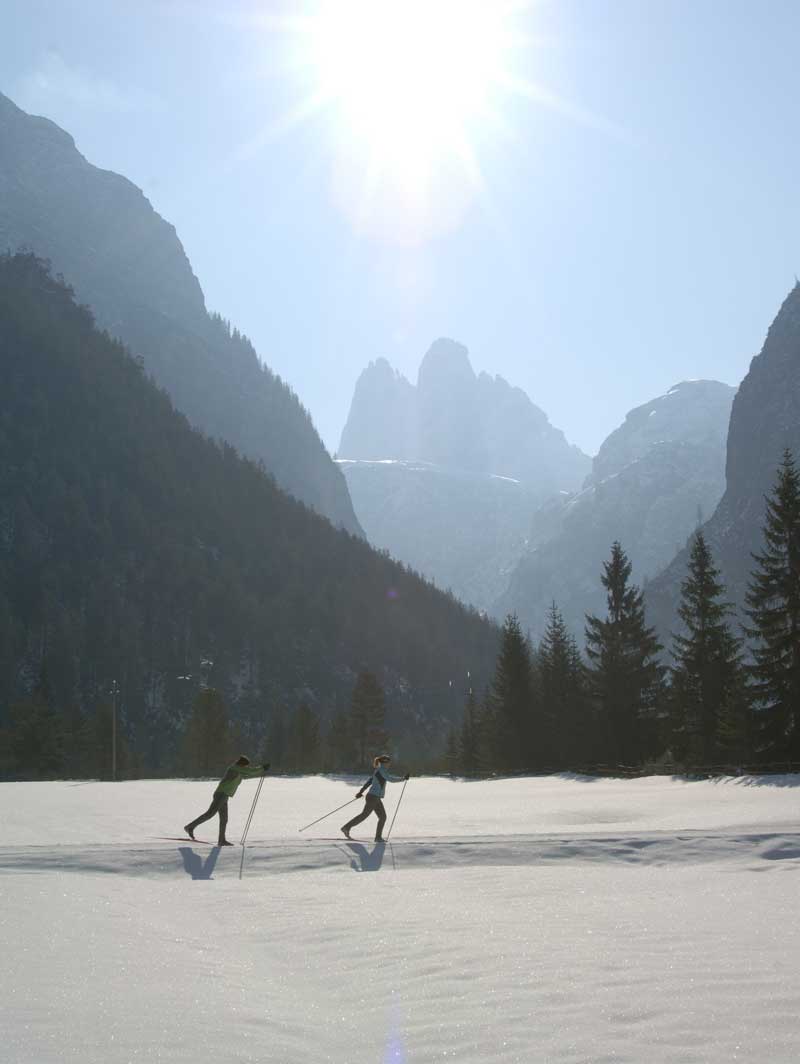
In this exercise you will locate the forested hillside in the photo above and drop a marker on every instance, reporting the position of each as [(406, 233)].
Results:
[(127, 263), (135, 550)]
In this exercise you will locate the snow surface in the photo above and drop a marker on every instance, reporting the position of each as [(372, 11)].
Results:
[(540, 919)]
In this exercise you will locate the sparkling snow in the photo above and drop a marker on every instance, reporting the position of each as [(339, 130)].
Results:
[(536, 920)]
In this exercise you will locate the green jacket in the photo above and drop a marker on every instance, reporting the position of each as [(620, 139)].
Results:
[(229, 783)]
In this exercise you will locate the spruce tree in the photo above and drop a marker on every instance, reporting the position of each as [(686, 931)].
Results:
[(773, 601), (469, 739), (275, 751), (368, 718), (452, 755), (341, 745), (707, 679), (625, 679), (206, 742), (303, 740), (562, 680), (511, 699)]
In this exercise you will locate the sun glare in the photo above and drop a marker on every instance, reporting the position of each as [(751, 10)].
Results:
[(410, 82), (408, 74)]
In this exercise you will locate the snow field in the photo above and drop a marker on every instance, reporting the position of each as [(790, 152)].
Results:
[(553, 920)]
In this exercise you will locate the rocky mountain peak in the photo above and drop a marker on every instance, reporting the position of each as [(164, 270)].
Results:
[(446, 364), (765, 419), (691, 412)]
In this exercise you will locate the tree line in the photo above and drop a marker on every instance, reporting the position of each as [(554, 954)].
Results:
[(724, 699), (139, 557), (137, 553)]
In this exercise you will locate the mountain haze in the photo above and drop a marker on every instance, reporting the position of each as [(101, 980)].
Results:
[(133, 548), (653, 480), (458, 419), (765, 420), (125, 262), (446, 474)]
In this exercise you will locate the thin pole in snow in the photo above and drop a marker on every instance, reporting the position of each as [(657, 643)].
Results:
[(247, 825), (336, 810), (114, 693), (399, 800)]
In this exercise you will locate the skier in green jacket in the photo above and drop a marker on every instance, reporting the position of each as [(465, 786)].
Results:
[(240, 770)]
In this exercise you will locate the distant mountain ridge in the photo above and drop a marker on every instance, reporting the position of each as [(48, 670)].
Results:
[(124, 261), (765, 420), (446, 474), (458, 419), (653, 480)]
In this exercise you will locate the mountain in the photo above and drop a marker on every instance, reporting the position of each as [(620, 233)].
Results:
[(652, 481), (134, 548), (464, 530), (446, 474), (458, 420), (765, 420), (126, 263)]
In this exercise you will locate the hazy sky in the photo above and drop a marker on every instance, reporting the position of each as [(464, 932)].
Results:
[(629, 218)]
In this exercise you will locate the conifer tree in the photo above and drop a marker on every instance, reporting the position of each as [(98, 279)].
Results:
[(303, 740), (368, 718), (773, 601), (487, 731), (511, 699), (625, 679), (469, 739), (341, 745), (275, 752), (706, 695), (562, 679), (452, 757), (36, 737), (206, 742)]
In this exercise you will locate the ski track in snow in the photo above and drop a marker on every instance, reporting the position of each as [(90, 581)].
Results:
[(543, 919)]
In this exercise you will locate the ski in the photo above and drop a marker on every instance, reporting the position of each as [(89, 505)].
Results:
[(182, 838)]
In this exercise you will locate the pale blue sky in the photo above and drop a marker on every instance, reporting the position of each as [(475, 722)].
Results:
[(642, 233)]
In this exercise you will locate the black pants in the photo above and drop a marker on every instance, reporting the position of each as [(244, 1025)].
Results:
[(219, 804), (372, 804)]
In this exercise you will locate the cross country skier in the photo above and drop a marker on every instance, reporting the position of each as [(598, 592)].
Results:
[(226, 788), (373, 803)]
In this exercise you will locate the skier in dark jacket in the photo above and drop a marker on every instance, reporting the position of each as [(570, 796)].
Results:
[(373, 803), (226, 788)]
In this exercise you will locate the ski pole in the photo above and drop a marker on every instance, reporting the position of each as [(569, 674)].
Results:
[(247, 825), (252, 810), (399, 800), (336, 810)]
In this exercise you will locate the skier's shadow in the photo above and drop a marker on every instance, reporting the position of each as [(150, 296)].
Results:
[(194, 864), (366, 860)]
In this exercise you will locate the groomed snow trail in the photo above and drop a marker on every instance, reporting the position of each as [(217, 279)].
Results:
[(526, 920)]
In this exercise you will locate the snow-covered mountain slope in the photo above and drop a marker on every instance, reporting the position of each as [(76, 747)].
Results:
[(653, 481), (549, 919), (463, 530)]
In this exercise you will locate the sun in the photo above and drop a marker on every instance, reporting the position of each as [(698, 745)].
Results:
[(408, 75), (410, 83)]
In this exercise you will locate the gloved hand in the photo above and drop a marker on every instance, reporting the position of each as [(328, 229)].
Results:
[(266, 766), (407, 777), (360, 794)]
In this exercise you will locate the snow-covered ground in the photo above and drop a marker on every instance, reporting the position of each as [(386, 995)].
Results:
[(535, 920)]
